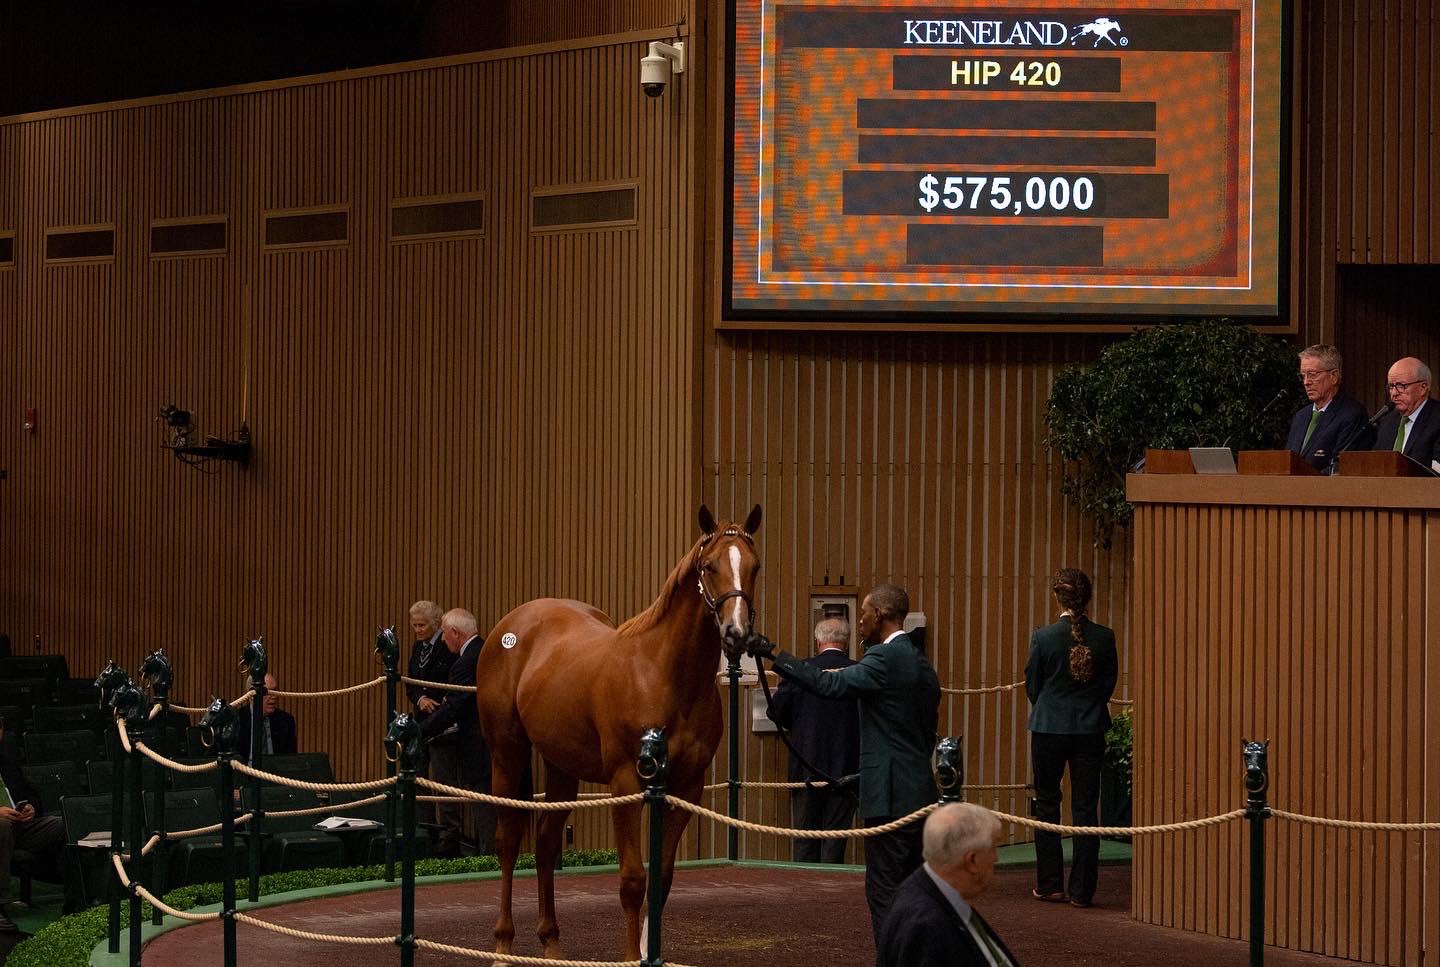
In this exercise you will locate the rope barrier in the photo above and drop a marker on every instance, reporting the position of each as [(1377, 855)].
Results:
[(307, 935), (156, 901), (456, 791), (124, 734), (334, 691), (318, 810), (243, 699), (280, 780), (1120, 830), (982, 691), (443, 686), (865, 833), (1355, 824), (172, 764)]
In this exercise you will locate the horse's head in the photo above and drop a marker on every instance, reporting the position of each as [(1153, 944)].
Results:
[(217, 726), (155, 670), (387, 648), (948, 764), (112, 676), (253, 659), (728, 566), (1257, 769), (403, 739), (129, 704)]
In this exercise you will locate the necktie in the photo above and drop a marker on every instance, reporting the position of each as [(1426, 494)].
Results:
[(992, 949), (269, 740), (1400, 435), (1314, 418)]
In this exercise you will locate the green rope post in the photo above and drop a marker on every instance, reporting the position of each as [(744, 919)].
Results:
[(405, 746), (387, 647), (653, 766)]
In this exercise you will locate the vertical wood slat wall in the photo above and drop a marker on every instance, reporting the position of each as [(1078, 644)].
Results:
[(1370, 169), (480, 421), (1327, 655)]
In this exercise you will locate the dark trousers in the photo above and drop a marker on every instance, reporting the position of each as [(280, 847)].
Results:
[(821, 809), (42, 836), (1050, 753), (444, 766), (889, 858)]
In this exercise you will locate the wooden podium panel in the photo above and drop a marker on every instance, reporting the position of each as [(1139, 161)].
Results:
[(1379, 463), (1305, 610), (1273, 463), (1168, 461)]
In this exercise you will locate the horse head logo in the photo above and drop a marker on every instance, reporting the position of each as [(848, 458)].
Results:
[(112, 676), (253, 659), (217, 726), (1257, 768), (387, 648), (728, 565), (403, 740), (156, 671), (1101, 29), (130, 704), (948, 764), (654, 759)]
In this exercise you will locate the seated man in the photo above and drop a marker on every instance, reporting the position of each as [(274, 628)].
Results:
[(278, 735), (23, 825)]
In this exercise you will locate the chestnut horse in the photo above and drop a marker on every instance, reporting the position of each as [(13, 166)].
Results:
[(559, 676)]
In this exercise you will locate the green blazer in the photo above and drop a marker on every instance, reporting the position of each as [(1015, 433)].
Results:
[(899, 697), (1062, 705)]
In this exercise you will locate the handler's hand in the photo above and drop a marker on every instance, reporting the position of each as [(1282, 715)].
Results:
[(427, 704), (760, 647), (13, 815), (27, 813)]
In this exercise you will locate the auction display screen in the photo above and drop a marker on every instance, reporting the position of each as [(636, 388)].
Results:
[(1006, 162)]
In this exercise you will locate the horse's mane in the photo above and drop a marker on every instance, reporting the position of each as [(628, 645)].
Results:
[(650, 617)]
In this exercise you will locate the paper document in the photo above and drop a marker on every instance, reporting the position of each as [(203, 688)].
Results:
[(343, 822)]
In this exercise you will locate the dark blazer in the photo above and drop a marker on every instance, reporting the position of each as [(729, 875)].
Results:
[(282, 733), (1061, 704), (899, 708), (20, 790), (430, 661), (1342, 418), (459, 709), (922, 929), (1424, 443), (825, 731)]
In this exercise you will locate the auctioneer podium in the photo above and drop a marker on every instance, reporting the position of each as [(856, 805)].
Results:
[(1306, 610)]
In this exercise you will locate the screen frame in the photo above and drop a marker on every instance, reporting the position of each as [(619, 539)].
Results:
[(727, 317)]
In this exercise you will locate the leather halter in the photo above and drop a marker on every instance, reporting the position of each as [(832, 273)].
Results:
[(714, 603)]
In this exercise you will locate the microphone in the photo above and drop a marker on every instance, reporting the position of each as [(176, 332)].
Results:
[(1263, 410), (1370, 424)]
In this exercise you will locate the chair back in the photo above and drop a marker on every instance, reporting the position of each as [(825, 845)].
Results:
[(26, 693), (309, 766), (80, 745), (55, 780), (70, 718)]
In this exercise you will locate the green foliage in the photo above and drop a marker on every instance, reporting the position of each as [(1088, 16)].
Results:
[(69, 941), (1120, 749), (1206, 384)]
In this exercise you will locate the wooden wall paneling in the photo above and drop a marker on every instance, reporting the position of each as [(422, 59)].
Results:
[(1420, 904)]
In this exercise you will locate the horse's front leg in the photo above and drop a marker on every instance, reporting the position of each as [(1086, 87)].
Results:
[(632, 871)]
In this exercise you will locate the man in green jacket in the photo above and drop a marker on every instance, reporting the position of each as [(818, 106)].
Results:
[(899, 697)]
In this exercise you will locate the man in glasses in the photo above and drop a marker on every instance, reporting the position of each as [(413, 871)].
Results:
[(1331, 418), (1414, 427)]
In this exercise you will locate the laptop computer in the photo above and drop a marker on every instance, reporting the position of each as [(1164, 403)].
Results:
[(1212, 459)]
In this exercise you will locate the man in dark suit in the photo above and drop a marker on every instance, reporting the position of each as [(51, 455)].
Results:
[(1414, 427), (461, 634), (1331, 419), (826, 734), (931, 922), (430, 661), (23, 825), (278, 736), (899, 707)]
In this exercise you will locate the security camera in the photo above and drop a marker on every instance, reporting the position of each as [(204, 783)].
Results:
[(657, 66)]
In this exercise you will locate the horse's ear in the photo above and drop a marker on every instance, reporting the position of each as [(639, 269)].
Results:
[(707, 520), (752, 523)]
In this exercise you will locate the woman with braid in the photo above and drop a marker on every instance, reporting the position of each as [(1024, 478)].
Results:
[(1070, 677)]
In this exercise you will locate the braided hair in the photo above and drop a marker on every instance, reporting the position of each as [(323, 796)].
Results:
[(1072, 589)]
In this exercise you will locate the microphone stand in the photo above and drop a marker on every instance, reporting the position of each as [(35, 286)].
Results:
[(1334, 465)]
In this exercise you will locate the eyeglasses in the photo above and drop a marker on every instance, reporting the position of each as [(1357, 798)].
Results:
[(1310, 377), (1393, 387)]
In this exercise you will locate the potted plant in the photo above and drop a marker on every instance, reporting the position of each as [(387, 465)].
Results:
[(1213, 383)]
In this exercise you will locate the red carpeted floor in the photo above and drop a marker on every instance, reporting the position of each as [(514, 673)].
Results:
[(717, 917)]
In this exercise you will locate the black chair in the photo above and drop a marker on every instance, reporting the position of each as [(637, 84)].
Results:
[(101, 775), (293, 842), (26, 693), (90, 865), (194, 744), (13, 718), (307, 766), (78, 746), (53, 780), (372, 848), (52, 668), (77, 691), (197, 780), (196, 859), (71, 718)]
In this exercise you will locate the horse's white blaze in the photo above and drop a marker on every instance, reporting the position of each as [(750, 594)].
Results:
[(735, 572)]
